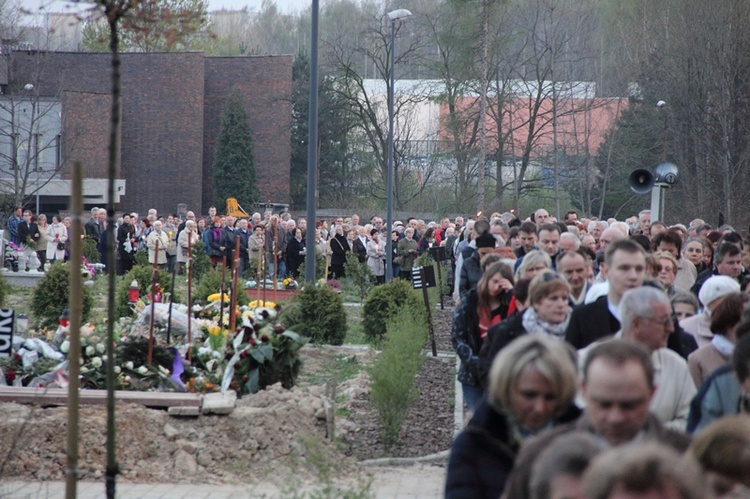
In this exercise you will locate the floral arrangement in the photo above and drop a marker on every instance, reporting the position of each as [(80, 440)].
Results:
[(87, 269), (289, 283), (260, 352), (12, 252)]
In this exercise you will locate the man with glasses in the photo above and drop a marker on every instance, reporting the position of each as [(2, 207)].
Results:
[(646, 319)]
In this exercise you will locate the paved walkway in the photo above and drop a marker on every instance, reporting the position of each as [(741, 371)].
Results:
[(420, 481)]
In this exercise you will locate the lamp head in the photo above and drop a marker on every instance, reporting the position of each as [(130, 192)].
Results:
[(398, 14)]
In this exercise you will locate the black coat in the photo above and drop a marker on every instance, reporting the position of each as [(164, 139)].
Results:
[(28, 231), (483, 454), (339, 248), (590, 323), (294, 258), (360, 250), (125, 232), (498, 337), (471, 273)]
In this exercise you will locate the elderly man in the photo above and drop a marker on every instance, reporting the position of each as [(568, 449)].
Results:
[(574, 266), (541, 217), (595, 228), (569, 242), (617, 387), (646, 318), (161, 239), (187, 236), (727, 262), (93, 226)]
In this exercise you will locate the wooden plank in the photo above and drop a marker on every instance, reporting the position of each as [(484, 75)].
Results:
[(59, 396)]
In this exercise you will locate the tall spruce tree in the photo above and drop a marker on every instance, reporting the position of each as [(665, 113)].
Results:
[(234, 167)]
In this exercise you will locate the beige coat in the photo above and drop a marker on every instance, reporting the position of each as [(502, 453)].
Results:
[(163, 239), (182, 244)]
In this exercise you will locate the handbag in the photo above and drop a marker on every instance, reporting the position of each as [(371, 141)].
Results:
[(399, 260), (61, 245)]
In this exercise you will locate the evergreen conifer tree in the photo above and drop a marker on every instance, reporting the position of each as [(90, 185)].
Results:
[(234, 167)]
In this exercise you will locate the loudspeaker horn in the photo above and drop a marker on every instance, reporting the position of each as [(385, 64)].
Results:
[(641, 181)]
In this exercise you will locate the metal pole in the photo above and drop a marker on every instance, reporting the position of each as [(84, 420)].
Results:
[(312, 150), (389, 182), (75, 305)]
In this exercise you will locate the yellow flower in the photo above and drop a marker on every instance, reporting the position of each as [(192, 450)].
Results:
[(215, 297), (214, 330), (261, 303)]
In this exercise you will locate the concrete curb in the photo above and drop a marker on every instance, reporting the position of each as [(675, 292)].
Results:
[(394, 461)]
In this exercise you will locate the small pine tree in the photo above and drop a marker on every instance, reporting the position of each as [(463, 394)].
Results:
[(234, 168)]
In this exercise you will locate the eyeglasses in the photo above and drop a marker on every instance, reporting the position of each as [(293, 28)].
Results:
[(663, 322)]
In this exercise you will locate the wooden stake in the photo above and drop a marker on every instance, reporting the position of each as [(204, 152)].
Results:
[(75, 307), (153, 303), (190, 297), (235, 278)]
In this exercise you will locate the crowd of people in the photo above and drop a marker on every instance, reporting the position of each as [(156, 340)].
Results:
[(596, 356), (601, 358)]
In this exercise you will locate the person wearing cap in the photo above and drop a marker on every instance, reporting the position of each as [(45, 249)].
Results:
[(471, 270), (711, 294)]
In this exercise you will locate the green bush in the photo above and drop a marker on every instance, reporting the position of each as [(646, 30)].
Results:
[(144, 275), (392, 375), (50, 297), (201, 262), (358, 274), (210, 283), (384, 303), (141, 258), (90, 251), (317, 312), (4, 289), (320, 267)]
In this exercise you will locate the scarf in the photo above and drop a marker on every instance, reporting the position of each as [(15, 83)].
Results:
[(723, 345), (534, 325)]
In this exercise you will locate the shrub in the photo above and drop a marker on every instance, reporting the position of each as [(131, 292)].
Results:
[(392, 375), (90, 250), (384, 303), (3, 290), (141, 258), (317, 312), (359, 274), (143, 274), (50, 297), (320, 267), (201, 262), (210, 283)]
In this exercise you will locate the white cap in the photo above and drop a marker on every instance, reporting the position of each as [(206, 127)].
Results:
[(716, 287)]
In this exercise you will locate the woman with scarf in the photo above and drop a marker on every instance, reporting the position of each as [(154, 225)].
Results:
[(490, 302), (531, 389), (548, 315), (213, 240)]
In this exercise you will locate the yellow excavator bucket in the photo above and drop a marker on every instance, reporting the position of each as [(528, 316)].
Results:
[(235, 210)]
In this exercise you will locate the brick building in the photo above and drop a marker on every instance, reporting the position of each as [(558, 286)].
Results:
[(171, 110)]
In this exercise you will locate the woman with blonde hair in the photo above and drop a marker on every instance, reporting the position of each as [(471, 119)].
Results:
[(532, 386)]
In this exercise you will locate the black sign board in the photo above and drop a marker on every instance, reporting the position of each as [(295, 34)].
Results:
[(7, 323), (429, 277), (438, 253)]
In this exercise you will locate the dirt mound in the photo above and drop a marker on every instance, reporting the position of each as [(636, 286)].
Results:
[(268, 437)]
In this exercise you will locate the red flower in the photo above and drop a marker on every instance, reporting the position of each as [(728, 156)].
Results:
[(10, 376), (252, 341), (243, 355), (279, 330), (264, 338)]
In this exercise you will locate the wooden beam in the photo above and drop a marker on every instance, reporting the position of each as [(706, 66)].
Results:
[(59, 396)]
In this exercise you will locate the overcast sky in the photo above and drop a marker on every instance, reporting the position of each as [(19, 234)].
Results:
[(283, 5)]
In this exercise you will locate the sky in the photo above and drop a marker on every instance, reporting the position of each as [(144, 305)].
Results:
[(285, 6)]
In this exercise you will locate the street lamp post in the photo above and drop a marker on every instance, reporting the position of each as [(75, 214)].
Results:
[(394, 16)]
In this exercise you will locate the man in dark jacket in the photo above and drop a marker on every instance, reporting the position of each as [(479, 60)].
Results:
[(471, 270), (624, 268), (28, 231)]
